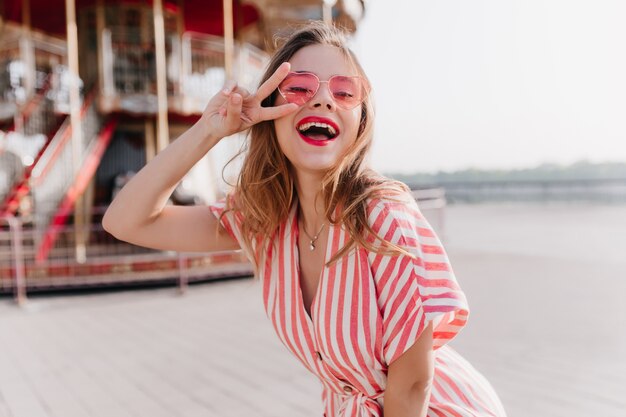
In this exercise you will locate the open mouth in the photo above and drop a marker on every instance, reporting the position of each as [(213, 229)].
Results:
[(317, 131)]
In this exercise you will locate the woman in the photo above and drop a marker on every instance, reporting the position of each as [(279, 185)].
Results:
[(364, 296)]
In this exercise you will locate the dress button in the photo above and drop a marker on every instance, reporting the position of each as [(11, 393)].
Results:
[(319, 355), (347, 389)]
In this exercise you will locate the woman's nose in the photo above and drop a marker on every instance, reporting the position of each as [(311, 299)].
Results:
[(323, 98)]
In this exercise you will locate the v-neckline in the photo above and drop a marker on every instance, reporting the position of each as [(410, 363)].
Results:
[(298, 276)]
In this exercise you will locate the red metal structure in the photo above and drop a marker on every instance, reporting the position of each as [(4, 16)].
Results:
[(81, 109), (202, 16)]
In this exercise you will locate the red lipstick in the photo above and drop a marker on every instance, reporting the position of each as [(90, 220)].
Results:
[(316, 119)]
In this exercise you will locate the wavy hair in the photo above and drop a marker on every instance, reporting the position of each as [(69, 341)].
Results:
[(265, 189)]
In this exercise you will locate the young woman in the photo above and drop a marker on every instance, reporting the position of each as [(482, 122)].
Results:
[(354, 280)]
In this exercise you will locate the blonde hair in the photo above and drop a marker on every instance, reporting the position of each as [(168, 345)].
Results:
[(265, 189)]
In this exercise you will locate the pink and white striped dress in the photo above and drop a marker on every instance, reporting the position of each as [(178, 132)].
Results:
[(368, 310)]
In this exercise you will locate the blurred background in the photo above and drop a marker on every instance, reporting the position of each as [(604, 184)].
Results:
[(506, 118)]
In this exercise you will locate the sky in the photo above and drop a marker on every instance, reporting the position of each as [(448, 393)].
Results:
[(495, 84)]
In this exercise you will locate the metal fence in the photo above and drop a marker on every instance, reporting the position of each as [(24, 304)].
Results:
[(195, 71), (57, 167), (432, 203), (109, 262)]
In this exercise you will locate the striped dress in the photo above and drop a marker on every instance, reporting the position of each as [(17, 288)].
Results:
[(370, 308)]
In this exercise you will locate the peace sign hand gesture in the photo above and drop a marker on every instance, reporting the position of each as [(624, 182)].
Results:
[(234, 109)]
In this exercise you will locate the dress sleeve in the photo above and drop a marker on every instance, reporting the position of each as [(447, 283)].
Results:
[(231, 221), (228, 218), (413, 291)]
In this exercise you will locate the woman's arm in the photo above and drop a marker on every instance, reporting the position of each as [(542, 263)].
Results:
[(139, 213), (409, 379)]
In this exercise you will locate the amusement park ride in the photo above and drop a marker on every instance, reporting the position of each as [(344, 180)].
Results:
[(92, 90)]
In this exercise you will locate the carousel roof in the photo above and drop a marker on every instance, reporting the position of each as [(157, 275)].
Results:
[(204, 16)]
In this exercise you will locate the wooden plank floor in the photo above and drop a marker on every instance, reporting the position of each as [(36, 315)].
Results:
[(547, 329)]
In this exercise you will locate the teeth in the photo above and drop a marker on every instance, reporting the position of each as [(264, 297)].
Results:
[(306, 126)]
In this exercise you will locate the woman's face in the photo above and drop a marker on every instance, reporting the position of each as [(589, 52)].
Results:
[(314, 152)]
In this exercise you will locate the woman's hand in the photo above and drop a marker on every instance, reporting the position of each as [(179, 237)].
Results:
[(234, 109)]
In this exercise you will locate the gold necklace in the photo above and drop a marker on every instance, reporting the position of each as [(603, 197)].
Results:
[(313, 239)]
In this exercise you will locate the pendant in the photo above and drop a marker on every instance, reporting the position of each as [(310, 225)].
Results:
[(312, 246)]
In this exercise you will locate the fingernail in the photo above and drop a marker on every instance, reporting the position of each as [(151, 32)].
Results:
[(236, 99)]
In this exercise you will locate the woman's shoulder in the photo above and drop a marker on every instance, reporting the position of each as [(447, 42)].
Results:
[(391, 206), (393, 216)]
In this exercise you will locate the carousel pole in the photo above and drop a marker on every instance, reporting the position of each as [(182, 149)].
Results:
[(180, 29), (229, 39), (75, 122), (159, 41), (100, 25), (26, 56), (27, 49), (327, 11)]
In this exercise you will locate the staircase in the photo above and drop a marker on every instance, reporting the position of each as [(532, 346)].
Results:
[(23, 142), (52, 182)]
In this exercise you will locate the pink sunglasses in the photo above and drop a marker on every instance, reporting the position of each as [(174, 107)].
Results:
[(347, 91)]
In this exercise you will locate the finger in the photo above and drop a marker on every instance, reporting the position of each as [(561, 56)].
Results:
[(242, 91), (269, 113), (233, 112), (274, 81), (229, 86)]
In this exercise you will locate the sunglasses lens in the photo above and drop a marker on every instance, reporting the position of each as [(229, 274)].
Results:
[(347, 91), (298, 88)]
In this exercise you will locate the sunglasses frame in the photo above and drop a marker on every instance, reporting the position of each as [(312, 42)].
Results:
[(364, 85)]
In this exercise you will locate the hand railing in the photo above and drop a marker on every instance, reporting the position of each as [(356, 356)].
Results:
[(22, 148), (38, 116), (55, 171)]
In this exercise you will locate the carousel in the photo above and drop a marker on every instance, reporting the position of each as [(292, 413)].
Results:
[(90, 91)]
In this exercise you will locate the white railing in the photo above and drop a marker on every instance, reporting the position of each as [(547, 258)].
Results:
[(108, 261), (56, 165), (203, 72), (12, 255), (26, 62), (433, 200), (195, 71)]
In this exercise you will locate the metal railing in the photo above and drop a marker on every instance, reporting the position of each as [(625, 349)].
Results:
[(16, 258), (11, 170), (38, 115), (432, 202), (20, 149), (203, 72), (195, 70), (129, 70), (26, 61), (109, 262), (57, 167), (112, 262)]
